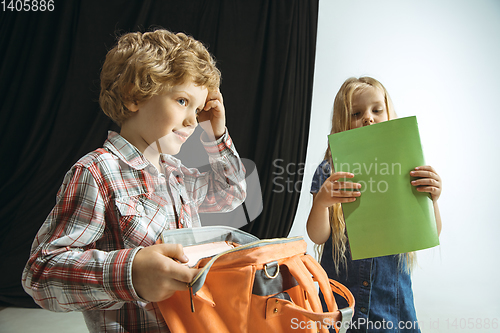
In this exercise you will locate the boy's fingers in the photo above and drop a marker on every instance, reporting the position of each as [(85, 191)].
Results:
[(213, 97), (174, 251), (176, 285), (213, 105), (181, 274), (214, 94), (177, 271)]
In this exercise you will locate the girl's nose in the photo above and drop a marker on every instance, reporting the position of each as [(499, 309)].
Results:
[(367, 119)]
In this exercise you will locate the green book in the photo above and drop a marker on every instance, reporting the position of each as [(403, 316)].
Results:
[(390, 216)]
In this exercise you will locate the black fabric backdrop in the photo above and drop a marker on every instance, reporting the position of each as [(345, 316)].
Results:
[(49, 87)]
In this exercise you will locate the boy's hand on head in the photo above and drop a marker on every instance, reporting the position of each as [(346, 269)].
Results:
[(214, 112), (155, 273), (332, 191), (429, 181)]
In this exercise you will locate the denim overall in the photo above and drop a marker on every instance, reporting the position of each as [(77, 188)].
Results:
[(381, 286)]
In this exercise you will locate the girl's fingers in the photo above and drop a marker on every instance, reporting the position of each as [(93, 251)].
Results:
[(429, 189), (426, 168), (425, 181), (345, 185), (339, 192), (425, 172), (338, 175), (332, 197), (428, 181), (342, 190), (333, 179), (343, 194), (337, 187), (345, 200)]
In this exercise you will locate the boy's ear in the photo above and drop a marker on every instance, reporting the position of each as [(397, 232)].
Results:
[(129, 102), (132, 106)]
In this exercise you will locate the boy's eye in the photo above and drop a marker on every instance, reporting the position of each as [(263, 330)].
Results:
[(182, 101)]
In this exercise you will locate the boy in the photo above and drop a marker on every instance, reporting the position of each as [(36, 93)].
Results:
[(96, 251)]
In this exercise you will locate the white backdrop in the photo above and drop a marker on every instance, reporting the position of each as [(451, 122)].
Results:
[(440, 61)]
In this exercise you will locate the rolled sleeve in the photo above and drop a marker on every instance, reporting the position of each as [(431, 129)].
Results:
[(117, 275), (228, 188)]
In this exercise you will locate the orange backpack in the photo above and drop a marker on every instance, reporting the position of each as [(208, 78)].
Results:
[(257, 286)]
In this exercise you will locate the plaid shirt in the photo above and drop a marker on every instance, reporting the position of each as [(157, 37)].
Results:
[(113, 202)]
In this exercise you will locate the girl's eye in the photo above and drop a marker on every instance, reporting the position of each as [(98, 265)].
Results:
[(377, 111), (356, 114), (182, 101)]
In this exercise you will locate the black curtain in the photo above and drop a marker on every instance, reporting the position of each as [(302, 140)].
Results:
[(49, 86)]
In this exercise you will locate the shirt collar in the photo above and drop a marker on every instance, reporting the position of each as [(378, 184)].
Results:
[(125, 151), (129, 154)]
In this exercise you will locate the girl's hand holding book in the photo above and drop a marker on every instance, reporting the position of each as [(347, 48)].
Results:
[(334, 191), (429, 181)]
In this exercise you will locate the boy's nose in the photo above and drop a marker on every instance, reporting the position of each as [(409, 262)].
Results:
[(191, 120)]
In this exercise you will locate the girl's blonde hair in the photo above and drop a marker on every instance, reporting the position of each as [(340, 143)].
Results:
[(142, 65), (341, 121)]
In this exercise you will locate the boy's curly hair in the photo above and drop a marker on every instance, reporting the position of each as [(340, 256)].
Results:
[(142, 65)]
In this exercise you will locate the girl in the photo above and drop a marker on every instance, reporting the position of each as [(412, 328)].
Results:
[(381, 286)]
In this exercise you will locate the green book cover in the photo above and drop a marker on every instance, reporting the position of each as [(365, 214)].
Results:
[(390, 216)]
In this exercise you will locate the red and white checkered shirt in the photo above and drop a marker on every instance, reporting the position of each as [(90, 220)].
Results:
[(113, 202)]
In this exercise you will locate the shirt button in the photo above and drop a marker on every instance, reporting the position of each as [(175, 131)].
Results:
[(139, 208), (364, 310), (365, 283)]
